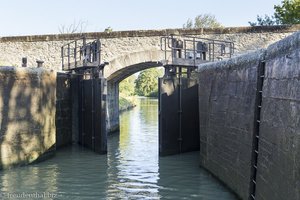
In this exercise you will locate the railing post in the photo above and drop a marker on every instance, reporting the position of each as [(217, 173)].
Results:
[(194, 51), (75, 54), (62, 58), (69, 56)]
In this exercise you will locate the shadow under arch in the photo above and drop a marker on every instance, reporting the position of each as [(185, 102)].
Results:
[(121, 68)]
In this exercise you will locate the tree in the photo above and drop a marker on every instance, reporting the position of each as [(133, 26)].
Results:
[(287, 13), (76, 27), (147, 82), (126, 93), (108, 29), (126, 86), (203, 21), (266, 21)]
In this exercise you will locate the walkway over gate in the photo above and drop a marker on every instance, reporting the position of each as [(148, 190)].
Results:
[(180, 55), (83, 61)]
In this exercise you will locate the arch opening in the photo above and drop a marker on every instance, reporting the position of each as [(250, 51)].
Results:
[(113, 90)]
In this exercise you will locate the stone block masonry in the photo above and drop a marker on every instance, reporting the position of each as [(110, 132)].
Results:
[(27, 114), (227, 93), (227, 96), (129, 51), (279, 145), (117, 45)]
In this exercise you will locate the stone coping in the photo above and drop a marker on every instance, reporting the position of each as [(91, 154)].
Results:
[(152, 33)]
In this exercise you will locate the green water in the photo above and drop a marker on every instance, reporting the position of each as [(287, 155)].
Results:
[(131, 169)]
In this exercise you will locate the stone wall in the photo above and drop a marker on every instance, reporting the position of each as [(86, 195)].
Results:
[(63, 111), (279, 143), (227, 93), (116, 45), (112, 111), (227, 96), (130, 51), (27, 115)]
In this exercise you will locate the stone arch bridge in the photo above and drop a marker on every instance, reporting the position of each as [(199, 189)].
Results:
[(248, 106), (130, 51)]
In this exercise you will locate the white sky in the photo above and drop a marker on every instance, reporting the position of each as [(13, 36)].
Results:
[(32, 17)]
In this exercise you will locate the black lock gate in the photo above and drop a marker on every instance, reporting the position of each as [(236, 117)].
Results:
[(178, 116), (92, 116)]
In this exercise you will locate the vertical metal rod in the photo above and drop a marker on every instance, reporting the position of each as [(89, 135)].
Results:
[(84, 51), (194, 51), (160, 82), (69, 56), (180, 109), (62, 57), (172, 45), (82, 110), (93, 115), (99, 52), (165, 48), (213, 51), (75, 53), (209, 50), (184, 44)]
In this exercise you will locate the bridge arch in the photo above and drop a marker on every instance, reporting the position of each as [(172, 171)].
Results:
[(125, 65), (121, 68)]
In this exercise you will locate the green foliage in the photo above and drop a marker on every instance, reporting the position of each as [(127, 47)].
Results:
[(126, 102), (266, 21), (127, 99), (126, 86), (287, 13), (203, 21), (147, 82), (108, 30)]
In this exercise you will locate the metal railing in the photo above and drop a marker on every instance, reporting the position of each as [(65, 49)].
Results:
[(80, 53), (191, 50)]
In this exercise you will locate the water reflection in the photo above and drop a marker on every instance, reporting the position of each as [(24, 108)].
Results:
[(136, 154), (130, 170)]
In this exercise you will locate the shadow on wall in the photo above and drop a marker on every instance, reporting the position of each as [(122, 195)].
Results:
[(27, 115), (249, 109), (63, 118)]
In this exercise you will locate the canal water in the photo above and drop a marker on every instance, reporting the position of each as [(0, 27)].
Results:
[(131, 169)]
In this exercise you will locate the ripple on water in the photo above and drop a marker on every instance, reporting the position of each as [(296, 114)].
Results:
[(130, 170)]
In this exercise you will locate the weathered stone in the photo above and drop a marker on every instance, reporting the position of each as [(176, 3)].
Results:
[(280, 139), (27, 114), (225, 148), (230, 115)]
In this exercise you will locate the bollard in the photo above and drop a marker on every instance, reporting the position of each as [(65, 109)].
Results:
[(24, 62), (39, 63)]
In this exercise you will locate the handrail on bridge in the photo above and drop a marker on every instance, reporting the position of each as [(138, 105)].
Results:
[(80, 53), (194, 49)]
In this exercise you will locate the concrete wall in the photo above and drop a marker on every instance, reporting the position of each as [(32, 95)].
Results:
[(279, 144), (63, 111), (227, 93), (27, 114), (226, 101)]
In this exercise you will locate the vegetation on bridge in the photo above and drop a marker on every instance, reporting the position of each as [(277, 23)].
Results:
[(203, 21)]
